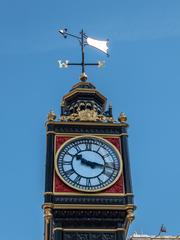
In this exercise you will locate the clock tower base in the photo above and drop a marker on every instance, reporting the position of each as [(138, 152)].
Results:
[(86, 224)]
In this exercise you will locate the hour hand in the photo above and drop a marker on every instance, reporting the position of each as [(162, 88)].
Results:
[(97, 164), (79, 157), (85, 161)]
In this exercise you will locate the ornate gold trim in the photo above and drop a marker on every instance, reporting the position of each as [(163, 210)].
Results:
[(81, 83), (48, 193), (90, 206), (92, 230), (57, 229), (51, 116), (129, 218), (122, 117), (89, 229), (87, 115), (88, 194), (47, 222), (47, 214), (48, 205), (89, 123), (95, 134), (92, 136), (83, 90), (50, 132), (130, 215)]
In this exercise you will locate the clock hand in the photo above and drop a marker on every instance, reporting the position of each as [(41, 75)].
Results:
[(88, 163), (91, 164), (97, 164), (109, 165), (106, 165), (85, 161), (79, 157)]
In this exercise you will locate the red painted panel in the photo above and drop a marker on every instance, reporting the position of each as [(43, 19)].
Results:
[(60, 186)]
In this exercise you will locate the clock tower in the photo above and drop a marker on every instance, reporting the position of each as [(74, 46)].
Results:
[(88, 191)]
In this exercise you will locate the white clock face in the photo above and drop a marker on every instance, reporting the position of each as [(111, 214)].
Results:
[(88, 163)]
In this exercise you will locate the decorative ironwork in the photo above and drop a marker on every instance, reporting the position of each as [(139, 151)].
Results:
[(83, 40), (87, 115)]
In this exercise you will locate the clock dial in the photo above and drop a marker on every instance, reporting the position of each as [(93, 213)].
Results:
[(88, 163)]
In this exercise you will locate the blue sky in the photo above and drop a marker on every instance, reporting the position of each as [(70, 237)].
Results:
[(141, 78)]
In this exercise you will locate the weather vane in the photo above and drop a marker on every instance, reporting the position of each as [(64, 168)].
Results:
[(84, 40)]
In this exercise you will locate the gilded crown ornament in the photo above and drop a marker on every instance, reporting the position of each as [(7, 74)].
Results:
[(51, 116), (122, 117)]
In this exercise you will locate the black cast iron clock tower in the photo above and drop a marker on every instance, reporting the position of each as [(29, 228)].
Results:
[(88, 191)]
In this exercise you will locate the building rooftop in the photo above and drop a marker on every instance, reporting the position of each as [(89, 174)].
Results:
[(137, 236)]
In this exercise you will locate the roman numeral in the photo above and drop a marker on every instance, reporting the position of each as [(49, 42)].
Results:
[(109, 165), (98, 149), (100, 181), (107, 173), (88, 182), (88, 146), (106, 155), (69, 172), (77, 179), (67, 162), (67, 153), (78, 149)]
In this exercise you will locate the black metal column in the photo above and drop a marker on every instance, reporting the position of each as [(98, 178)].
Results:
[(58, 234), (126, 166), (120, 235), (49, 163)]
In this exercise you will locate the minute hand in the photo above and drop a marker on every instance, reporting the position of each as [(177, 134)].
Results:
[(88, 163), (110, 165)]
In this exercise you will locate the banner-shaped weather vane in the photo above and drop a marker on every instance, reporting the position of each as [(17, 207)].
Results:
[(84, 40)]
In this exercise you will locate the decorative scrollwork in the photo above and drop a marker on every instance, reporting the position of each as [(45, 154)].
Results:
[(87, 115)]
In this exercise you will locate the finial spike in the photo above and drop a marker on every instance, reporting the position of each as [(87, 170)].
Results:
[(83, 77)]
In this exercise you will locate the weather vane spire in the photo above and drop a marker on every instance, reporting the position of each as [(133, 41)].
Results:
[(84, 40)]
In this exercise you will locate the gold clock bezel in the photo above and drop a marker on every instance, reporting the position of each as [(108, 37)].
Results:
[(88, 190)]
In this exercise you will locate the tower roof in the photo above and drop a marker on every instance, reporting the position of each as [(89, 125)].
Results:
[(84, 103), (85, 92)]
